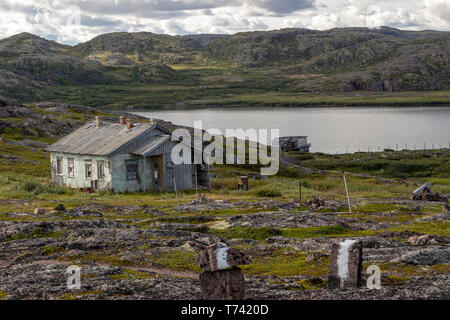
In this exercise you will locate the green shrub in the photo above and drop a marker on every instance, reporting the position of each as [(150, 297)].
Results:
[(301, 155), (31, 186), (307, 184), (3, 294), (35, 188), (289, 172), (268, 193)]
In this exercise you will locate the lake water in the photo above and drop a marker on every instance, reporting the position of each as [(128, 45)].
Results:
[(330, 130)]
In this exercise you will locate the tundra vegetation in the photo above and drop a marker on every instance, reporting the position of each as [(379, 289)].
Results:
[(143, 246)]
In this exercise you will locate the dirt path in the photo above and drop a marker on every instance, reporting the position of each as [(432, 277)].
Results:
[(159, 271), (49, 262), (167, 272)]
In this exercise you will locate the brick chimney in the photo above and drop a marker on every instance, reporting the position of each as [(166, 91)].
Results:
[(122, 120), (97, 121), (129, 123)]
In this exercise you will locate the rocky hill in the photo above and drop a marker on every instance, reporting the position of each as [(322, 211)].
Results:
[(27, 43), (336, 60)]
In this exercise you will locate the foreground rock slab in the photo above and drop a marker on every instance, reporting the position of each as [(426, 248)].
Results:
[(221, 279), (226, 284), (345, 265)]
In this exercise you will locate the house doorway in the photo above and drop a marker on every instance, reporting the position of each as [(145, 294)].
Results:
[(157, 172)]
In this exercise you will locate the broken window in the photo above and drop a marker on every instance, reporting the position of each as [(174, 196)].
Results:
[(132, 170), (88, 170), (70, 167), (59, 165), (108, 166), (156, 170), (101, 170)]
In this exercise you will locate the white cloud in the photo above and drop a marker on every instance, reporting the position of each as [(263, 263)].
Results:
[(436, 13), (48, 18)]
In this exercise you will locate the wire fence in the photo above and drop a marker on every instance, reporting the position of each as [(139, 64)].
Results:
[(400, 147)]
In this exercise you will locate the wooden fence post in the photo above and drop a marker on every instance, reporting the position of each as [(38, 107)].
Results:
[(348, 198), (176, 194), (300, 191)]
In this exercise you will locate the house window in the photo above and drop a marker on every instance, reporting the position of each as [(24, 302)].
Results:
[(59, 165), (108, 166), (88, 170), (101, 170), (132, 170), (70, 167), (156, 170)]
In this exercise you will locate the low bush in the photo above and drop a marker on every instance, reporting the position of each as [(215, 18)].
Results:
[(268, 193)]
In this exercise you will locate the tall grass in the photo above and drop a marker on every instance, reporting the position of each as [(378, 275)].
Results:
[(25, 187)]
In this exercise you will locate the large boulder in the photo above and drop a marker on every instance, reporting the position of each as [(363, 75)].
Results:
[(223, 284), (428, 239), (428, 257)]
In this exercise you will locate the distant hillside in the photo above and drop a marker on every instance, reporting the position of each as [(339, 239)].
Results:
[(290, 60), (27, 43)]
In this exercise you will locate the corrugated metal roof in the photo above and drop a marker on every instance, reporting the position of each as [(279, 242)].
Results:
[(102, 140), (151, 145)]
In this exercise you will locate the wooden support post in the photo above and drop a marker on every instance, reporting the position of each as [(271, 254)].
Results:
[(196, 183), (300, 191), (176, 194), (348, 198), (209, 178), (143, 176)]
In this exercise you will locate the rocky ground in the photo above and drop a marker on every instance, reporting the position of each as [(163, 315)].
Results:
[(148, 252)]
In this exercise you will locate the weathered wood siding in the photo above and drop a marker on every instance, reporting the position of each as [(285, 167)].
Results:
[(119, 174), (182, 173)]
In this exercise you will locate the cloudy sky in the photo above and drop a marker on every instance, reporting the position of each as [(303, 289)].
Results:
[(74, 21)]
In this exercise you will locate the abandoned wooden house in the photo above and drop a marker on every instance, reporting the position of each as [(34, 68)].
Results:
[(294, 143), (122, 157)]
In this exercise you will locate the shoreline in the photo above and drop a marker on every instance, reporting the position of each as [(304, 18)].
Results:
[(297, 105)]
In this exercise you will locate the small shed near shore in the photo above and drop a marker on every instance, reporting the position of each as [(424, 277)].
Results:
[(122, 157), (294, 143)]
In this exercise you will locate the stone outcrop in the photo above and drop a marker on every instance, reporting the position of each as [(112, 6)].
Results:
[(429, 256), (428, 239), (226, 284)]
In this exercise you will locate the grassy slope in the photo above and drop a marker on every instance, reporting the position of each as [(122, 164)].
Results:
[(183, 96)]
